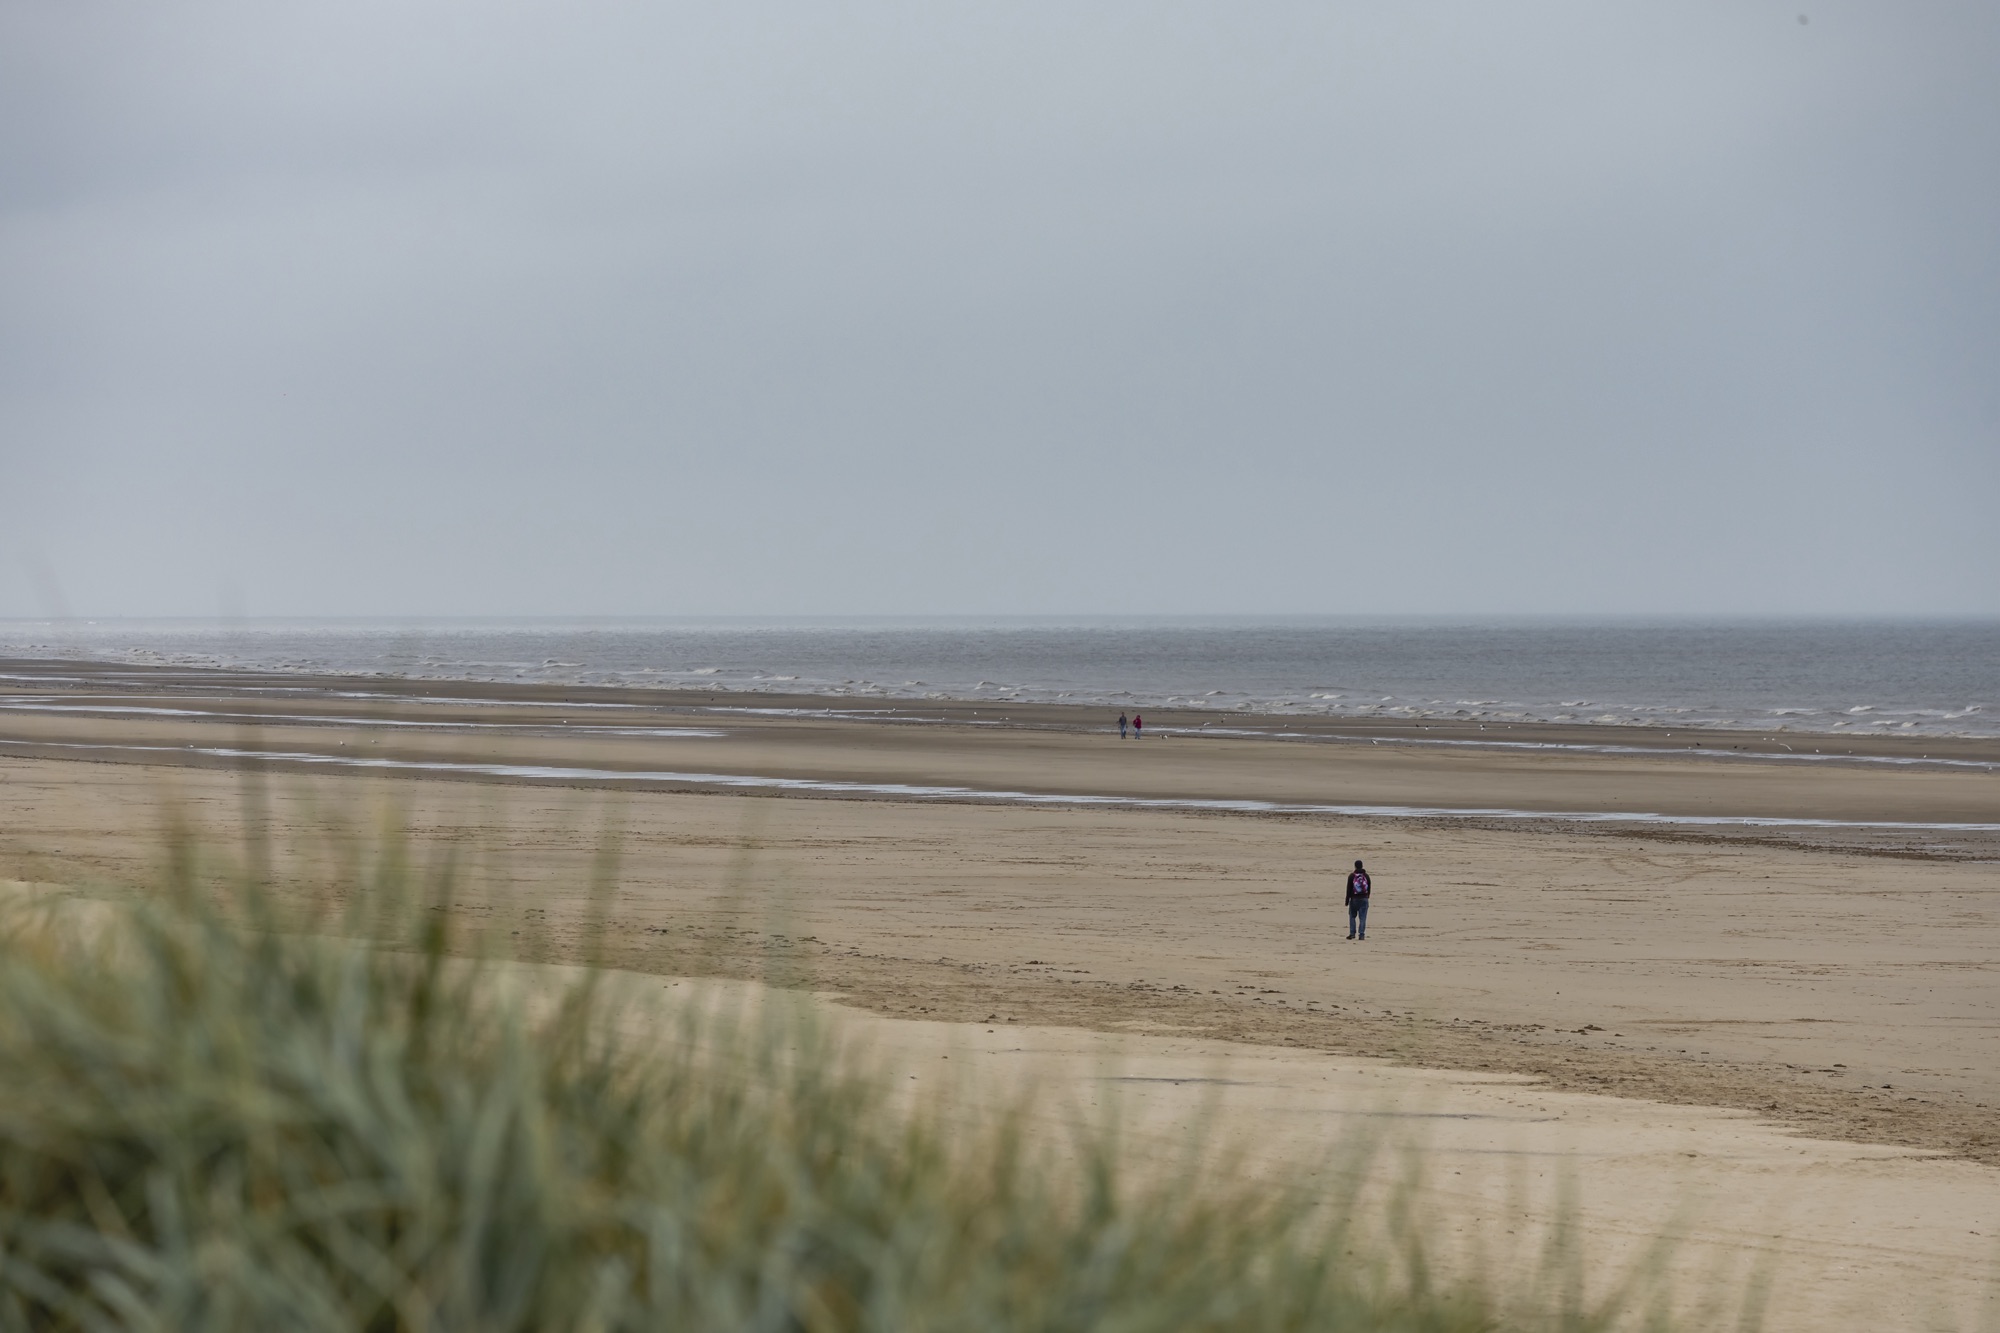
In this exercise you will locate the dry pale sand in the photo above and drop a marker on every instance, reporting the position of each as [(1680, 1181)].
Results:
[(1834, 984), (1846, 1236)]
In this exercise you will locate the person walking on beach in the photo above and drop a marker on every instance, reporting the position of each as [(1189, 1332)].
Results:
[(1357, 903), (1138, 725), (1121, 726)]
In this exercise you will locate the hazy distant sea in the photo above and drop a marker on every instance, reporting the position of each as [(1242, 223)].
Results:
[(1934, 678)]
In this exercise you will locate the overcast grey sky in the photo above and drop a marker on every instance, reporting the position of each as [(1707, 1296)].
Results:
[(435, 307)]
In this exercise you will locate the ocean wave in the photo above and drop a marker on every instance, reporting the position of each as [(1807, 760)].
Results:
[(1901, 680)]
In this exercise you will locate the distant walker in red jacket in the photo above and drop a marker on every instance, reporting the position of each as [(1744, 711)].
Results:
[(1138, 725), (1357, 903)]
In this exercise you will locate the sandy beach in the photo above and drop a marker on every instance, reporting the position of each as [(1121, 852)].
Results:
[(688, 503), (1823, 987)]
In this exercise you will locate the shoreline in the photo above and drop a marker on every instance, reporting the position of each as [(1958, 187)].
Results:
[(1898, 796), (1782, 743)]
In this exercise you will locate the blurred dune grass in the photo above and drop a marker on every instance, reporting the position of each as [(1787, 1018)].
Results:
[(227, 1107)]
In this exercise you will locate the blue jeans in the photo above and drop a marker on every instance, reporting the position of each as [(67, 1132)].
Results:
[(1357, 918)]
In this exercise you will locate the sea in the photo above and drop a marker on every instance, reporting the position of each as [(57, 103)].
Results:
[(1920, 678)]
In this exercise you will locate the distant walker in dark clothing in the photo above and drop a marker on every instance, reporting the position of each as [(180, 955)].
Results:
[(1357, 903), (1121, 726)]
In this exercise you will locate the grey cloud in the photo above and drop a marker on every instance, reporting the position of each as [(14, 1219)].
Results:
[(453, 308)]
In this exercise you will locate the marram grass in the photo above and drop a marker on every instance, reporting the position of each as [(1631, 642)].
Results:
[(214, 1118)]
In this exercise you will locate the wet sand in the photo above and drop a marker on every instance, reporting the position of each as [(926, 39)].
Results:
[(1926, 796)]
